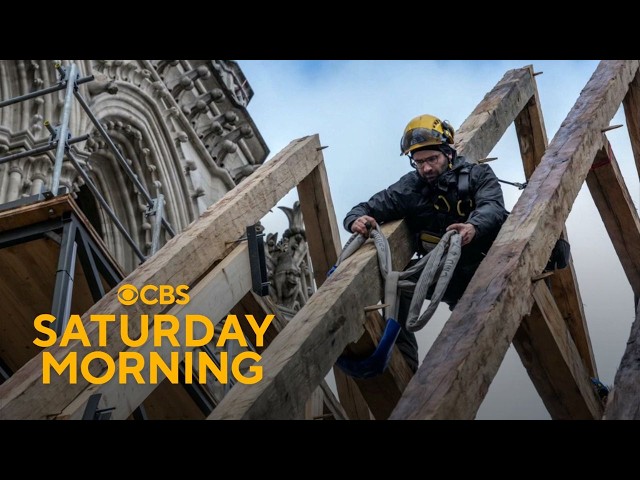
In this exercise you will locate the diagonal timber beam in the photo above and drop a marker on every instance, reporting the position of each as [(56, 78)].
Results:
[(534, 341), (624, 404), (305, 350), (457, 371), (551, 358), (621, 220), (214, 296), (619, 214), (564, 287), (631, 104), (322, 399), (333, 409), (350, 396), (624, 401), (183, 260), (532, 134), (532, 139), (480, 132)]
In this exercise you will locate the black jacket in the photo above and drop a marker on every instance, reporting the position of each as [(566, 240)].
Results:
[(413, 199)]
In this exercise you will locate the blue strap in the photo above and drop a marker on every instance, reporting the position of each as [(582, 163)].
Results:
[(331, 270), (378, 361)]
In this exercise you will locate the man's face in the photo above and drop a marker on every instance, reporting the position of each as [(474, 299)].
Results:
[(430, 164)]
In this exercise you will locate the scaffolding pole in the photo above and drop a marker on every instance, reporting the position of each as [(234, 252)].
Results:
[(63, 130), (44, 91), (43, 149)]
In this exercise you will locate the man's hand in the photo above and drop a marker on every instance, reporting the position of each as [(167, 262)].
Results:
[(466, 231), (360, 225)]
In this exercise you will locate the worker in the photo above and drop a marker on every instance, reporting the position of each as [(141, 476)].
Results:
[(443, 192)]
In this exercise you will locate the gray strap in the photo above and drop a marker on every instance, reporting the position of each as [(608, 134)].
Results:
[(440, 266), (436, 266)]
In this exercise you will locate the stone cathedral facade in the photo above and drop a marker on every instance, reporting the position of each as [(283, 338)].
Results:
[(182, 125)]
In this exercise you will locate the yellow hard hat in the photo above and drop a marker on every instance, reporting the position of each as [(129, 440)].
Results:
[(423, 131)]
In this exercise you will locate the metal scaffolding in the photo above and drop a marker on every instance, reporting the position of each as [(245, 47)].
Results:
[(69, 80)]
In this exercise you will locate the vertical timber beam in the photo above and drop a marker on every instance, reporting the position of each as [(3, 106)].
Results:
[(624, 402), (532, 138)]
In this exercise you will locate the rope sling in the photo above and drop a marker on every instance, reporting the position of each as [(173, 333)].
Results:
[(437, 267)]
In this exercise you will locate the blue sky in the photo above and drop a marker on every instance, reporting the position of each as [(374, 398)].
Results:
[(360, 109)]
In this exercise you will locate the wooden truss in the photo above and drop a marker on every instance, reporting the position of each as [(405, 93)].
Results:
[(507, 301)]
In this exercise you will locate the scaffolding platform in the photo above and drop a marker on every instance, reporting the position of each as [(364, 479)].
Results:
[(49, 253)]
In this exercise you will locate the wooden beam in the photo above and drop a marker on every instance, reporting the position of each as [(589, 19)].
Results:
[(214, 296), (618, 212), (631, 104), (183, 260), (480, 132), (553, 362), (314, 406), (259, 307), (624, 400), (323, 238), (170, 401), (564, 287), (333, 317), (321, 226), (532, 139), (302, 354), (456, 373), (531, 132), (350, 396)]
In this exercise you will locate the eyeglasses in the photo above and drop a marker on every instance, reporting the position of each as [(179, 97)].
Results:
[(432, 160)]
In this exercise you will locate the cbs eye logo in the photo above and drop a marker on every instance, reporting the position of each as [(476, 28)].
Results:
[(151, 294)]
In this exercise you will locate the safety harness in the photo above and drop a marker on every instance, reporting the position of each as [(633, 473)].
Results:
[(462, 207), (437, 268)]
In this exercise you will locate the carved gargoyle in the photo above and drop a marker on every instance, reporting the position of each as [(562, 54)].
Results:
[(291, 279)]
